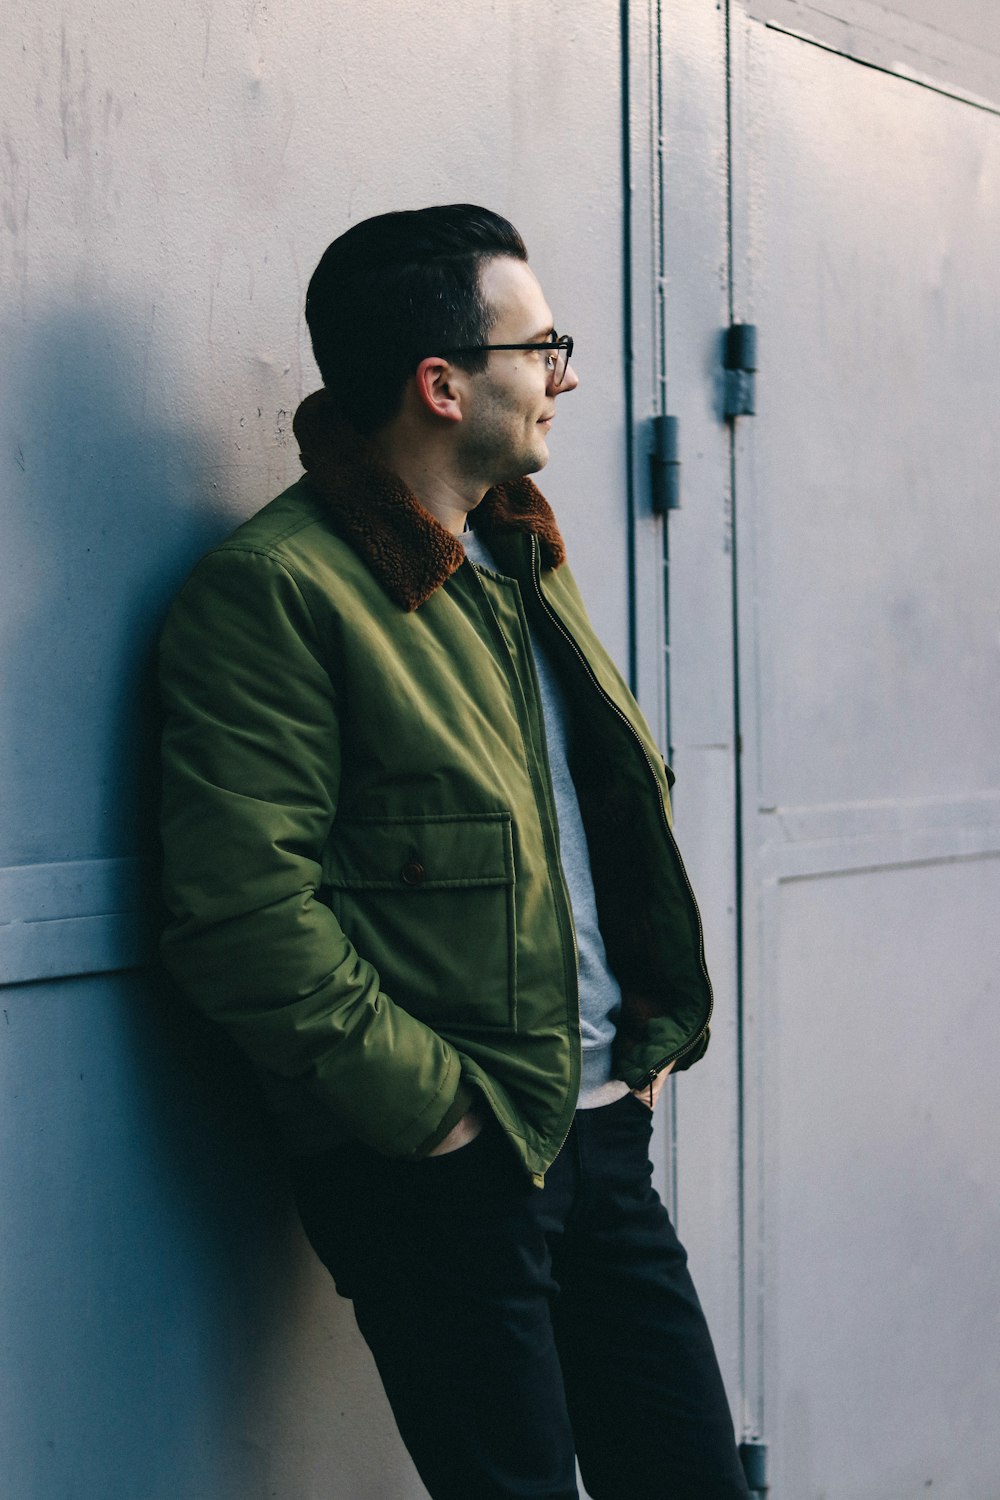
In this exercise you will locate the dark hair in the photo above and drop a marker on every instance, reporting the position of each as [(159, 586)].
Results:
[(394, 289)]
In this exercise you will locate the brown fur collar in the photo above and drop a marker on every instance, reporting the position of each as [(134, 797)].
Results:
[(409, 552)]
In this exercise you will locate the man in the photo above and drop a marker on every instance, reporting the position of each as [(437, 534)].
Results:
[(419, 863)]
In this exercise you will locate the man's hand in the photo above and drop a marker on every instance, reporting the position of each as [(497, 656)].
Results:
[(644, 1093), (459, 1135)]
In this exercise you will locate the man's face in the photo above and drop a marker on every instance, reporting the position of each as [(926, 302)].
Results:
[(511, 404)]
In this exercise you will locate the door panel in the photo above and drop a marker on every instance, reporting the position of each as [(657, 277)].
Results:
[(692, 569), (866, 237)]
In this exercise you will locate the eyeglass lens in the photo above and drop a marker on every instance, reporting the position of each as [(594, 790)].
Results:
[(558, 361)]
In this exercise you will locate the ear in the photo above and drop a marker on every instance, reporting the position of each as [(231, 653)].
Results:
[(440, 388)]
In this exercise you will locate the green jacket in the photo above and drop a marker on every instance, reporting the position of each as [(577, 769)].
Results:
[(361, 852)]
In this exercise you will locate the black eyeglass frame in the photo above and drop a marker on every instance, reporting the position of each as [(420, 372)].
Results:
[(564, 343)]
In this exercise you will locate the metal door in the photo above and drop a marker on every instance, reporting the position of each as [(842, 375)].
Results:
[(866, 240)]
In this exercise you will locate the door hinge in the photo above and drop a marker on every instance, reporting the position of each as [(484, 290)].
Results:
[(665, 466), (753, 1457), (740, 363)]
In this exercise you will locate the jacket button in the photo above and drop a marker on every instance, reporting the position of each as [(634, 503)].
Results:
[(413, 872)]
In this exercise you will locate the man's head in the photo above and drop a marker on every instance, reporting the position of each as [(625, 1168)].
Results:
[(395, 288), (399, 309)]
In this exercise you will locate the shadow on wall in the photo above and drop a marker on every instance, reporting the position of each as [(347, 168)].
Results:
[(107, 505), (152, 1256), (155, 1282)]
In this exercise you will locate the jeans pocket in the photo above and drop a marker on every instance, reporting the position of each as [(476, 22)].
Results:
[(458, 1160), (638, 1102)]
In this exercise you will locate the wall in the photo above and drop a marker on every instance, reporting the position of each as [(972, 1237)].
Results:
[(169, 175)]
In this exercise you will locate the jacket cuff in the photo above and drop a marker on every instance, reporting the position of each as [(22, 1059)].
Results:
[(461, 1104), (696, 1054)]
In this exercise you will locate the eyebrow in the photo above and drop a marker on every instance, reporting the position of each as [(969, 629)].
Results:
[(546, 333)]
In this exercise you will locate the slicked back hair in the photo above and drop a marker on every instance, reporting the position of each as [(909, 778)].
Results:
[(394, 289)]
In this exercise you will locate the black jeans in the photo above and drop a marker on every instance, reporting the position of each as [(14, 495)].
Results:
[(514, 1328)]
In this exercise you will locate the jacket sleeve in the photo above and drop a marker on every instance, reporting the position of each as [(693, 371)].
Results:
[(251, 757)]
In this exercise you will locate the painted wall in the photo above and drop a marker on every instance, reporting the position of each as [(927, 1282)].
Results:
[(168, 177)]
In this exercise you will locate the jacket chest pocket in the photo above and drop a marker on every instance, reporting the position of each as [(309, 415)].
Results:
[(430, 902)]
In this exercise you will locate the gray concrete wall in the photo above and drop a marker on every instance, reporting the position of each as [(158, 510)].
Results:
[(170, 175)]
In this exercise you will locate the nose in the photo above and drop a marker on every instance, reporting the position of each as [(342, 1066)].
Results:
[(569, 382)]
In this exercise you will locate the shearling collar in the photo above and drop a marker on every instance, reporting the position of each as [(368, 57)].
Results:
[(409, 552)]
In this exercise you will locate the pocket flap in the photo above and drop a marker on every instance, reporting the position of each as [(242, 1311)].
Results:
[(424, 853)]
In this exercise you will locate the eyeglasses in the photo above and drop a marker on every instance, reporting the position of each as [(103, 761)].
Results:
[(560, 352)]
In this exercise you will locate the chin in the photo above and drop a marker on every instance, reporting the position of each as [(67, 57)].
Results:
[(523, 465), (536, 459)]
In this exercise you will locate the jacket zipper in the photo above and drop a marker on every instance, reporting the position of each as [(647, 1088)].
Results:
[(538, 1177), (647, 1078)]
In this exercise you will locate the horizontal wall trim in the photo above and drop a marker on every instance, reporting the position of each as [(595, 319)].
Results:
[(76, 917), (823, 820), (876, 851), (881, 36), (839, 837)]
